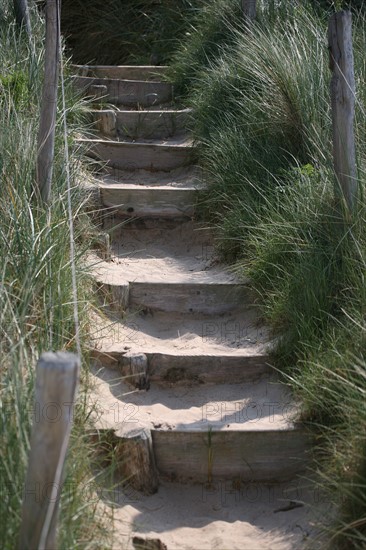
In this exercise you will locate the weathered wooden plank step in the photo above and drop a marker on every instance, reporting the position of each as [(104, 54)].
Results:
[(184, 349), (141, 124), (240, 456), (238, 432), (123, 72), (188, 240), (185, 369), (139, 155), (131, 201), (198, 297), (126, 92)]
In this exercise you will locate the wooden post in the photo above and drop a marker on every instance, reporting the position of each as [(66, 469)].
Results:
[(134, 367), (46, 134), (97, 92), (249, 10), (22, 15), (136, 461), (343, 90), (106, 123), (56, 386)]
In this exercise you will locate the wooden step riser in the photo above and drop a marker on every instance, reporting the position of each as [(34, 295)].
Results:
[(188, 298), (188, 234), (133, 93), (140, 124), (148, 203), (250, 456), (165, 369), (236, 457), (135, 156), (206, 299), (123, 72), (112, 223)]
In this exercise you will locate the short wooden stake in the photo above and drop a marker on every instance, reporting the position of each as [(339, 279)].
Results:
[(97, 91), (343, 91), (136, 461), (134, 367), (106, 123), (55, 393), (105, 248)]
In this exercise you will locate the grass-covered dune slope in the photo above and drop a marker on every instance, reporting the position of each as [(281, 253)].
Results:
[(263, 125), (36, 311), (126, 31)]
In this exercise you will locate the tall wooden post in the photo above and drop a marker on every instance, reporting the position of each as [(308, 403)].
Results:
[(249, 9), (22, 15), (343, 90), (46, 134), (56, 386)]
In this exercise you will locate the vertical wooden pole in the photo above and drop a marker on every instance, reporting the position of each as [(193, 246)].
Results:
[(22, 15), (55, 393), (249, 9), (343, 90), (46, 134)]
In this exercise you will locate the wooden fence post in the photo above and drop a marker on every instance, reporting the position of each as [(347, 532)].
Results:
[(46, 133), (249, 9), (55, 393), (343, 90), (22, 15)]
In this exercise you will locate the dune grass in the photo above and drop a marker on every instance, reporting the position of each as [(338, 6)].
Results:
[(126, 32), (263, 127), (36, 312)]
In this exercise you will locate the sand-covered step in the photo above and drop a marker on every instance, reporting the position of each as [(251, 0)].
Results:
[(239, 432), (184, 368), (183, 253), (136, 201), (183, 176), (183, 349), (153, 254), (234, 333), (141, 124), (169, 271), (129, 155), (123, 72), (125, 92), (221, 516)]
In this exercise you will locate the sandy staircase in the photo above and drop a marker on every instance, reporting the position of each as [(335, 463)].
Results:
[(185, 394)]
